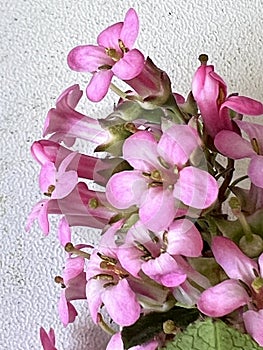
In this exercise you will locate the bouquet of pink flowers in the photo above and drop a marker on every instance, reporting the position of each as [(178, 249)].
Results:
[(179, 263)]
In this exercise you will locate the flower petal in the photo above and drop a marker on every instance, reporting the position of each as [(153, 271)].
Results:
[(158, 209), (140, 150), (109, 37), (88, 58), (64, 233), (255, 170), (130, 28), (233, 145), (177, 144), (121, 303), (254, 131), (184, 239), (164, 270), (196, 188), (253, 322), (222, 299), (99, 85), (243, 105), (67, 311), (129, 66), (235, 263), (125, 189)]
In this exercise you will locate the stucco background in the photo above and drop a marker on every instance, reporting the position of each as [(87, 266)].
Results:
[(35, 39)]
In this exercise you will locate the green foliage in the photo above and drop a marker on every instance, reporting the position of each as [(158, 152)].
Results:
[(211, 335)]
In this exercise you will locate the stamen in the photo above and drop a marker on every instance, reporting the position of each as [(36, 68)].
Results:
[(255, 145), (103, 276), (146, 257), (104, 325), (221, 97), (123, 48), (59, 280), (112, 53), (130, 127), (69, 248), (104, 67), (117, 270), (50, 189), (107, 258), (153, 237)]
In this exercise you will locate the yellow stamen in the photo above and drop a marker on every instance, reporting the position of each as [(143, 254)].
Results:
[(69, 248)]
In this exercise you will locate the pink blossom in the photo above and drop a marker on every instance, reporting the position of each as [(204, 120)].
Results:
[(230, 295), (65, 124), (156, 255), (161, 177), (113, 56), (235, 146), (47, 339), (210, 92)]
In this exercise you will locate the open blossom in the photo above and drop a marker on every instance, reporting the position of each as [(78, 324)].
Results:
[(236, 147), (161, 177), (231, 294), (210, 93), (114, 55)]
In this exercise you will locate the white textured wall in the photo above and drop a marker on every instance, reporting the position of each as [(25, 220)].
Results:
[(35, 38)]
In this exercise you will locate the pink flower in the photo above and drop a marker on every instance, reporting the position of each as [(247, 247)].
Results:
[(210, 92), (156, 256), (113, 56), (107, 284), (236, 147), (47, 339), (230, 295), (161, 177), (66, 124)]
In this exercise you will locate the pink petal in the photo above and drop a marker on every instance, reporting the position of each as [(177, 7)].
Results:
[(130, 259), (74, 266), (140, 150), (260, 264), (130, 28), (88, 58), (243, 105), (164, 270), (121, 303), (255, 170), (67, 311), (47, 176), (222, 299), (65, 184), (115, 342), (196, 188), (94, 290), (184, 239), (254, 131), (99, 85), (177, 144), (47, 339), (253, 322), (40, 212), (235, 263), (158, 209), (233, 145), (129, 66), (109, 37), (125, 189), (64, 233)]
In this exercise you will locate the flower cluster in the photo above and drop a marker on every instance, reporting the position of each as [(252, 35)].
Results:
[(157, 195)]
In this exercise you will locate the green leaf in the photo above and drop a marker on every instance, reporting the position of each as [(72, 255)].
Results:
[(152, 324), (212, 335)]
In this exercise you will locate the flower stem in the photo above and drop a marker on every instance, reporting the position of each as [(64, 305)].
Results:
[(118, 91)]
